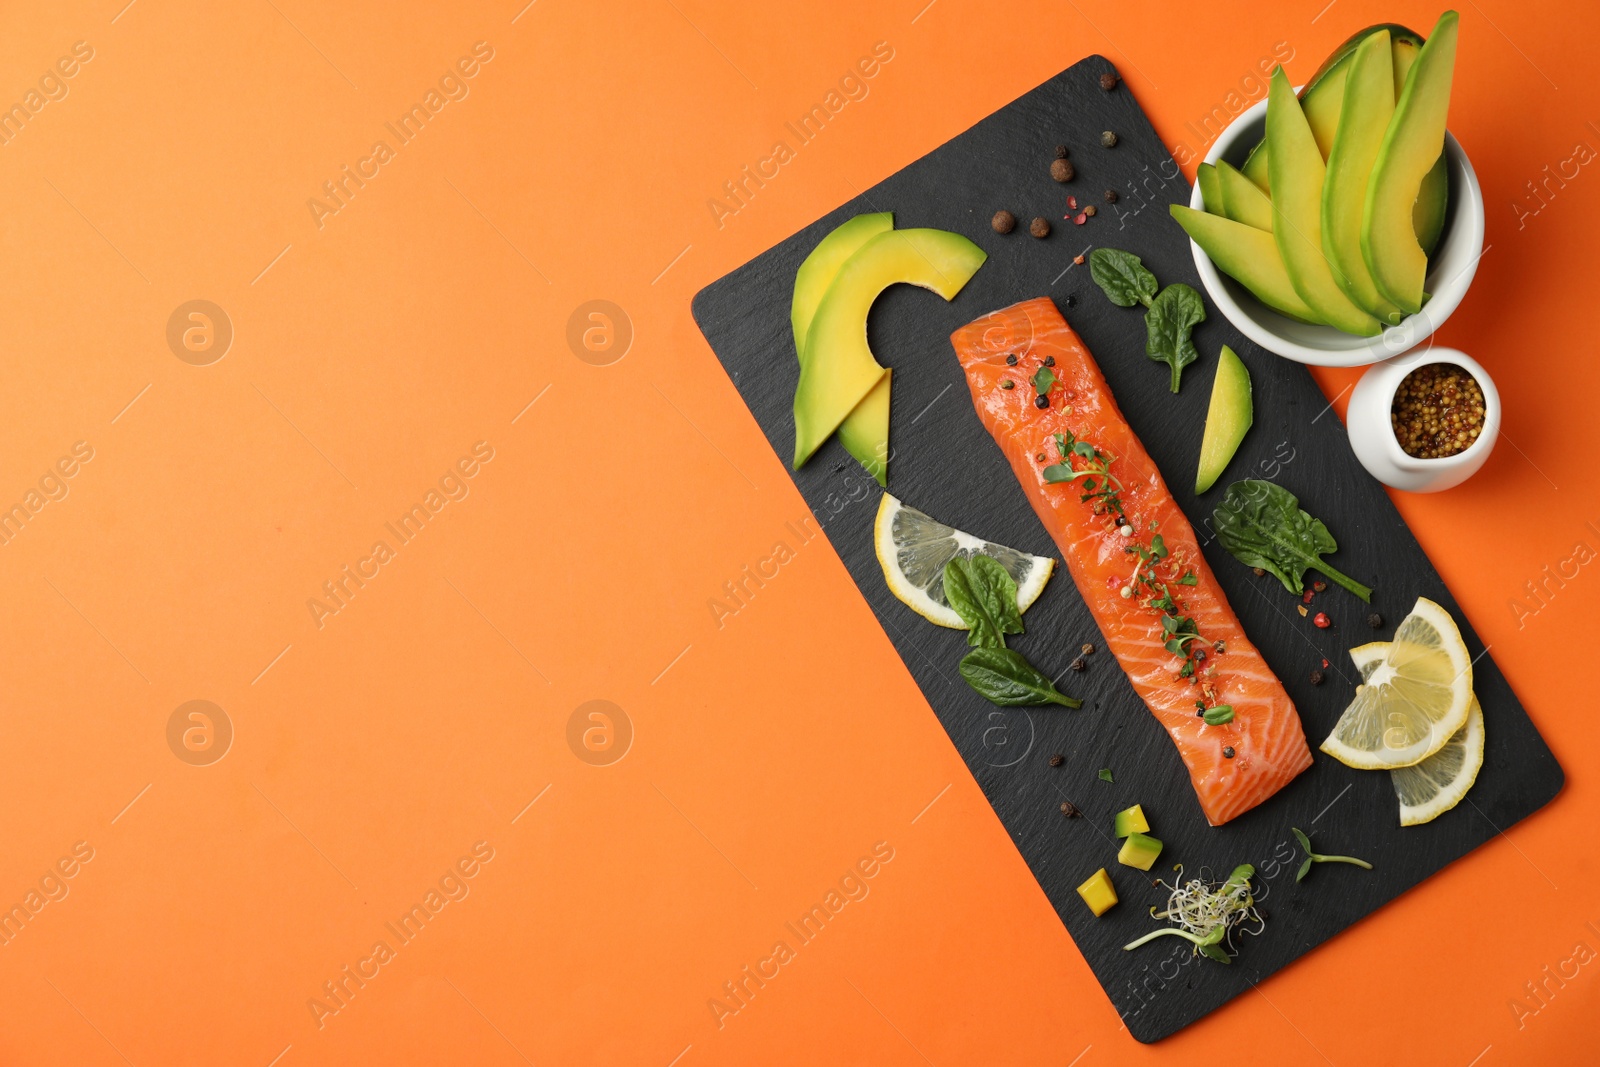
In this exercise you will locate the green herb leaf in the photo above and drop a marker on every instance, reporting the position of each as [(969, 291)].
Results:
[(1172, 316), (1262, 525), (1003, 677), (1220, 715), (1105, 774), (1043, 379), (985, 596), (1304, 869), (1122, 276), (1305, 842), (1188, 579), (1216, 953)]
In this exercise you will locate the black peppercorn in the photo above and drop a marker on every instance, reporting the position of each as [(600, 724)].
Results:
[(1072, 301), (1068, 809), (1011, 359), (1049, 361), (1057, 760), (1078, 664), (1375, 621), (1041, 401), (1108, 81), (1111, 196), (1317, 677), (1061, 151), (1003, 222), (1227, 752)]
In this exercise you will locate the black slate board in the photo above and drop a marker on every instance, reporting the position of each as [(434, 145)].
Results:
[(945, 464)]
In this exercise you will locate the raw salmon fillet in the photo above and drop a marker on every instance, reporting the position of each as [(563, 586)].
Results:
[(1268, 744)]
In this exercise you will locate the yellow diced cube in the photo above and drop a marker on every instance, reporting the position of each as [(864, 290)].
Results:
[(1098, 892), (1139, 851)]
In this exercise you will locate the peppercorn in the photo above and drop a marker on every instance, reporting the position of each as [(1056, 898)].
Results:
[(1227, 752), (1078, 664), (1088, 649), (1003, 222), (1042, 400), (1322, 621), (1061, 151), (1039, 227), (1091, 211), (1317, 677), (1062, 170), (1011, 359), (1008, 384), (1258, 571), (1111, 196), (1375, 621), (1108, 140), (1039, 458), (1072, 301), (1049, 361), (1057, 760), (1068, 809), (1108, 81)]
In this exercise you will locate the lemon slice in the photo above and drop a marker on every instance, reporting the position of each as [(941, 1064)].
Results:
[(1412, 699), (913, 549)]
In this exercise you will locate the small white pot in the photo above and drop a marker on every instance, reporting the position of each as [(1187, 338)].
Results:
[(1372, 433), (1450, 269)]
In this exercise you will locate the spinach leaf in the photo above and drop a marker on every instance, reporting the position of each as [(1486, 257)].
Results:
[(1043, 380), (983, 594), (1172, 315), (1005, 678), (1123, 277), (1262, 525)]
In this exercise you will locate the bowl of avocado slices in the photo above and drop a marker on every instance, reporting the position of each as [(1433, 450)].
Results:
[(1341, 224)]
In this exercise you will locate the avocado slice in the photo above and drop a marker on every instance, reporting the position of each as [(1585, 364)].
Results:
[(1322, 95), (1129, 821), (1242, 200), (1367, 109), (1297, 173), (1098, 892), (1411, 146), (1139, 851), (1247, 255), (1205, 175), (865, 431), (1427, 214), (837, 369), (1227, 419)]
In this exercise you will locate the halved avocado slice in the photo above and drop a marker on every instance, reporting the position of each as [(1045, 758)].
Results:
[(1427, 215), (837, 369), (865, 431), (1297, 176), (1367, 109), (1242, 200), (1227, 419), (1411, 147), (1205, 175), (1247, 255)]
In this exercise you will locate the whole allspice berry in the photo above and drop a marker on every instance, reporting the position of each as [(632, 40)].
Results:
[(1062, 170), (1039, 227), (1108, 81), (1003, 222)]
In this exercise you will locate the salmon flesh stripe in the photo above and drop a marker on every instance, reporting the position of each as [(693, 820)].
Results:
[(1267, 743)]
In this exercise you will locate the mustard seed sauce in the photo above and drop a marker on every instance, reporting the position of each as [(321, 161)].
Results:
[(1437, 411)]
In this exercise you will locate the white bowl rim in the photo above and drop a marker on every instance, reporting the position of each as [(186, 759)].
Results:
[(1351, 351)]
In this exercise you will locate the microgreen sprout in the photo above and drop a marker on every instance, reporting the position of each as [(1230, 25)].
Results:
[(1312, 857), (1207, 914)]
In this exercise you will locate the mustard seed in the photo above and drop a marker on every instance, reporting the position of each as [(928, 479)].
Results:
[(1438, 411)]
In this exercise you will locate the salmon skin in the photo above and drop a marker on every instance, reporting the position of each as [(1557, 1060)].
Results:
[(1156, 601)]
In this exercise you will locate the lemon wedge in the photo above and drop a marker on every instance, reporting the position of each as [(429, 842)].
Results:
[(1412, 699), (913, 549)]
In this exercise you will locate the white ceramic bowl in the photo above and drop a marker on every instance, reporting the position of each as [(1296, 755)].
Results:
[(1450, 269), (1372, 434)]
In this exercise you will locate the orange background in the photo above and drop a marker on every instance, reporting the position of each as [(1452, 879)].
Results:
[(768, 755)]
